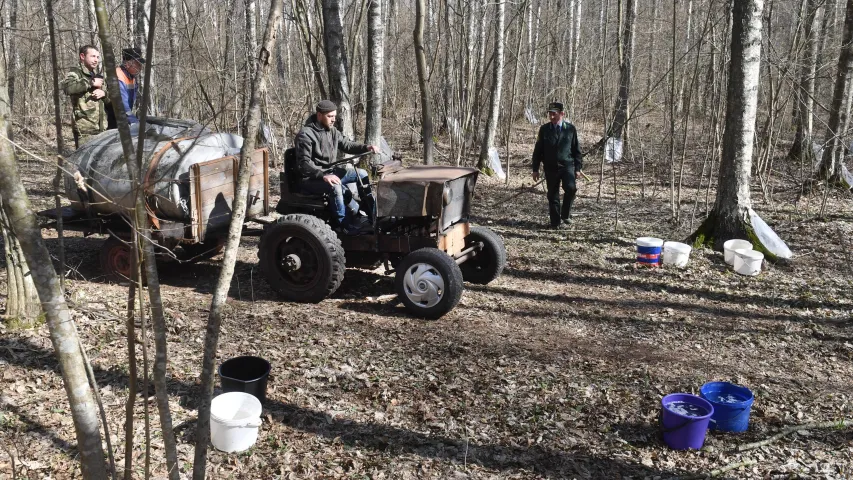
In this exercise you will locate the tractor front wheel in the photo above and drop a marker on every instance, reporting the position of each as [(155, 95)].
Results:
[(429, 283)]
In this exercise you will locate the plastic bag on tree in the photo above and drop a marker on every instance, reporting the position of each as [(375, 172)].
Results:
[(846, 176), (768, 237), (613, 150), (530, 116), (495, 163)]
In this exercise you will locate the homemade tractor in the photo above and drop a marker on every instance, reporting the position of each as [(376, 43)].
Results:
[(420, 230)]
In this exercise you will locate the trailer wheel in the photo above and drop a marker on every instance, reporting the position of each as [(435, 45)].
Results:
[(429, 283), (488, 264), (116, 260), (302, 258)]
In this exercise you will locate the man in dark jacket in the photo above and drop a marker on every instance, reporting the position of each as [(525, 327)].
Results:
[(558, 150), (317, 146)]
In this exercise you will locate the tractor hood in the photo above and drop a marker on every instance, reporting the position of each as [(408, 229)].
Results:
[(443, 192)]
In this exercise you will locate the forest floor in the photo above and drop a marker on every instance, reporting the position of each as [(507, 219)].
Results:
[(554, 370)]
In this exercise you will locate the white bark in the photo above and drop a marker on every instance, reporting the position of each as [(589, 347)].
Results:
[(337, 64), (497, 88), (375, 72)]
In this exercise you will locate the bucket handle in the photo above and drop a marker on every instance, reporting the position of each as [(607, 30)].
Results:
[(249, 424)]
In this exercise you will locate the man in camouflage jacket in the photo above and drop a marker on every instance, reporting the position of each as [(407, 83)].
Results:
[(88, 92)]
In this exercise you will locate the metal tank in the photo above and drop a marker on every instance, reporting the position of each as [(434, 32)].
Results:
[(173, 146)]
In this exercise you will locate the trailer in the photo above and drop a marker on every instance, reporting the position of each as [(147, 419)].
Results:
[(189, 188)]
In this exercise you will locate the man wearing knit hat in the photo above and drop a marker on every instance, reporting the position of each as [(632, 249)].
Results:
[(317, 145)]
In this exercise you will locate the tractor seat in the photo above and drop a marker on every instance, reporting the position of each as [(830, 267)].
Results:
[(290, 181)]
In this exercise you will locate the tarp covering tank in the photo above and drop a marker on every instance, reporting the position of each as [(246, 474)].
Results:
[(190, 178)]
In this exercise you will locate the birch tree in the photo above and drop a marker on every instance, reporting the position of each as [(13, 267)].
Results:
[(21, 220), (732, 215), (232, 245), (337, 65), (801, 148), (497, 88), (375, 72), (423, 81)]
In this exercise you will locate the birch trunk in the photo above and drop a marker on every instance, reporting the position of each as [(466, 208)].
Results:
[(140, 222), (732, 216), (175, 93), (423, 82), (375, 72), (620, 112), (337, 65), (232, 245), (497, 88), (63, 334)]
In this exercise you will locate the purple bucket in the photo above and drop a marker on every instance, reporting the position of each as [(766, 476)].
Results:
[(684, 420)]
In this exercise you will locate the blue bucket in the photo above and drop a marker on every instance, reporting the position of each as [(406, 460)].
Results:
[(648, 250), (684, 420), (732, 404)]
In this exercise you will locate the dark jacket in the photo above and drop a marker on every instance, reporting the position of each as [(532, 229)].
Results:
[(317, 148), (556, 150)]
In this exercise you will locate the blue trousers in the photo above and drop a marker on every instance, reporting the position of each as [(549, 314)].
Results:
[(340, 195)]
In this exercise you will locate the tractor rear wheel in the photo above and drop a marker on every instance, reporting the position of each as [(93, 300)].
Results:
[(302, 258)]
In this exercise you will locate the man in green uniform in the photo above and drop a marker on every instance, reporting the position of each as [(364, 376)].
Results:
[(88, 92), (558, 150)]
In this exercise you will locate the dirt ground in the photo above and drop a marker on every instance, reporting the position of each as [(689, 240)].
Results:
[(555, 370)]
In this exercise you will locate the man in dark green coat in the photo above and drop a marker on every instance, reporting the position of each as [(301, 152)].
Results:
[(558, 150)]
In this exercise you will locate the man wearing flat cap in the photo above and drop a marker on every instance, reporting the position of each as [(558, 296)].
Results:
[(558, 150), (131, 65), (317, 145)]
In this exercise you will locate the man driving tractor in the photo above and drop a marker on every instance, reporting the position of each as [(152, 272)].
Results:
[(317, 145)]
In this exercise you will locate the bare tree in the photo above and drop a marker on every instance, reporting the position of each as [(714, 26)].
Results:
[(831, 166), (337, 65), (63, 334), (220, 295), (375, 72), (175, 92), (626, 55), (497, 89), (732, 216), (423, 82)]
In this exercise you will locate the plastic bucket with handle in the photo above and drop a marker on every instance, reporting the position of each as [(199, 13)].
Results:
[(245, 374), (732, 404), (684, 420), (648, 250), (676, 253), (234, 421), (730, 246)]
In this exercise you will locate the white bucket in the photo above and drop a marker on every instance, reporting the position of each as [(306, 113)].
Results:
[(748, 262), (730, 246), (234, 421), (676, 253)]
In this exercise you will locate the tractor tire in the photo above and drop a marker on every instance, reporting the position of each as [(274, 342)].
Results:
[(302, 258), (116, 260), (429, 283), (488, 264)]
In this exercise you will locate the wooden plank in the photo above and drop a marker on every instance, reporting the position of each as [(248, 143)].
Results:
[(218, 179), (210, 194), (453, 240)]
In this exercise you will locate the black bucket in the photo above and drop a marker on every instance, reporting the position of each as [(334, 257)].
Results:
[(245, 374)]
